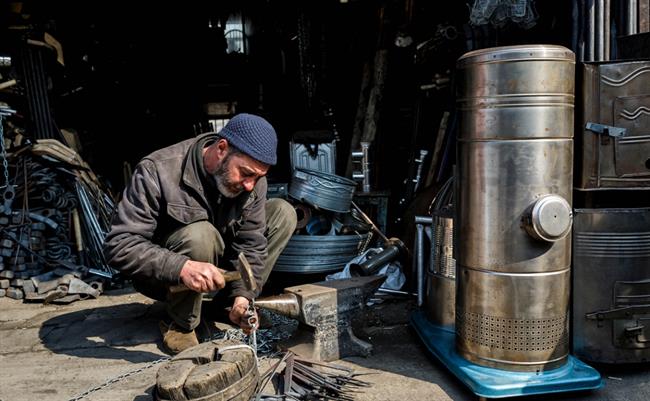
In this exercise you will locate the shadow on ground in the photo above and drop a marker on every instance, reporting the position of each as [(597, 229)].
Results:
[(109, 332)]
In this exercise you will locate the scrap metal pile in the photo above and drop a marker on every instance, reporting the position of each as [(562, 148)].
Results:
[(329, 232), (53, 218), (295, 378)]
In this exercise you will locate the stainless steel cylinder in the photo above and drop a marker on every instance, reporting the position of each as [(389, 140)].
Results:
[(441, 275), (514, 211)]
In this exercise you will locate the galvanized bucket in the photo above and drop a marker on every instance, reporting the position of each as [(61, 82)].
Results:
[(322, 190)]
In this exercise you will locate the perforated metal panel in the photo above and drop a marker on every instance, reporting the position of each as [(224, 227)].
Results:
[(513, 334)]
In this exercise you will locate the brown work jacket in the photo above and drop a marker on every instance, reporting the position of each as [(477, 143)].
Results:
[(166, 193)]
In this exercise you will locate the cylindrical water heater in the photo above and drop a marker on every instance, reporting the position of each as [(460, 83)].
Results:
[(515, 176)]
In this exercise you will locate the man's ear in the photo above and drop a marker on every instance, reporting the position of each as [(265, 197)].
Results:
[(222, 148)]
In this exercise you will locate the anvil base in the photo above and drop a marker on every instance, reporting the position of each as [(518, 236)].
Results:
[(325, 343)]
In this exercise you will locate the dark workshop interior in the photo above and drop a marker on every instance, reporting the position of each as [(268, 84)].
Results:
[(424, 120)]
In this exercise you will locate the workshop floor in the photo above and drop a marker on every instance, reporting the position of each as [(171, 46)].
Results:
[(58, 352)]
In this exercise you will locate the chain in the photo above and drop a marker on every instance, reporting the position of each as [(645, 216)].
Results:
[(252, 322), (3, 152), (119, 378)]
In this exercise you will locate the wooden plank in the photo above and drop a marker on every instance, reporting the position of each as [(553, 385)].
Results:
[(171, 379)]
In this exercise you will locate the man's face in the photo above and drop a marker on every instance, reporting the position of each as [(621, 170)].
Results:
[(237, 173)]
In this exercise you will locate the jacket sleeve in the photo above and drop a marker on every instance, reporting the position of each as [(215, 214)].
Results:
[(128, 246), (250, 240)]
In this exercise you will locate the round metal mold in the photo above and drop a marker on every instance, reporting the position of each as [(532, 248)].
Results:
[(321, 190), (549, 218), (319, 253)]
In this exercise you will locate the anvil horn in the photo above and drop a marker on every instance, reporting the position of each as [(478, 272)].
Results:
[(283, 304)]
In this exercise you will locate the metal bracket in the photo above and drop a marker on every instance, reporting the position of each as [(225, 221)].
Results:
[(619, 313), (7, 199), (614, 132)]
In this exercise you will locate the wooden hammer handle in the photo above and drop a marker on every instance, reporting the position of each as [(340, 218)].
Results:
[(227, 275)]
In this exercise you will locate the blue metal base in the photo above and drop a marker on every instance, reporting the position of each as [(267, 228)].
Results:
[(497, 383)]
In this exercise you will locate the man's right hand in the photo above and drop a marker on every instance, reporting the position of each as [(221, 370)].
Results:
[(201, 276)]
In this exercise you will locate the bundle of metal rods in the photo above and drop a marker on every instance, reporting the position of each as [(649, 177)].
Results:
[(96, 211), (296, 378)]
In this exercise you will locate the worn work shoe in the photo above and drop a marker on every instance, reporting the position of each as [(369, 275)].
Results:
[(176, 339)]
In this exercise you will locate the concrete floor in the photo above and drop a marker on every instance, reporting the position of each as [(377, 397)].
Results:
[(57, 352)]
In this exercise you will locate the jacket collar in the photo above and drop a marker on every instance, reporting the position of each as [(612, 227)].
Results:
[(190, 169)]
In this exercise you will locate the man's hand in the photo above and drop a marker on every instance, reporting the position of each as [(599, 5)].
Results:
[(239, 315), (201, 276)]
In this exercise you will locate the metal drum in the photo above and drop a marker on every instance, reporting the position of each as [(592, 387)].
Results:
[(514, 206), (441, 275)]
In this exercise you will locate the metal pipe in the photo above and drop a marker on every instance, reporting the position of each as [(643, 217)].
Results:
[(396, 292), (420, 261), (590, 18), (599, 30), (575, 27), (607, 13), (376, 262), (631, 17)]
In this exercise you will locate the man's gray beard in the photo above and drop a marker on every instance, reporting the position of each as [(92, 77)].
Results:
[(223, 188)]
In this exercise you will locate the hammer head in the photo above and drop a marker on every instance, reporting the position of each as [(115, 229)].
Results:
[(244, 268)]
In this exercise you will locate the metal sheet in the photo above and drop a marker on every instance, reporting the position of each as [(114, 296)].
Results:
[(611, 271), (616, 94)]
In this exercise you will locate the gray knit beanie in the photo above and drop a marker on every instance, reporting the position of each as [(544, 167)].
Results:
[(253, 135)]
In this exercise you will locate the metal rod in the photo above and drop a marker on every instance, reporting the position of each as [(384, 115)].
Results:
[(599, 30), (631, 14), (420, 261), (606, 33), (369, 221), (591, 17)]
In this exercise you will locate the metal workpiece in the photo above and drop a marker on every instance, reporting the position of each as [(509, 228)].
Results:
[(283, 304), (325, 310), (611, 285), (321, 190), (514, 198), (615, 141)]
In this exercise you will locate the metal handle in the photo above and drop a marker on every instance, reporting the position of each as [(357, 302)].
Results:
[(549, 218)]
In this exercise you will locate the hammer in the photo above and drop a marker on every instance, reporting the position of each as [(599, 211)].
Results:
[(243, 273)]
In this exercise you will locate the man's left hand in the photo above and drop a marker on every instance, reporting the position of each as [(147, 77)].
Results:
[(239, 315)]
